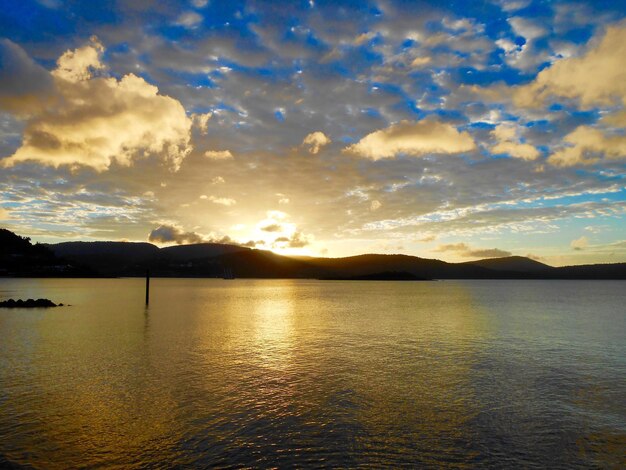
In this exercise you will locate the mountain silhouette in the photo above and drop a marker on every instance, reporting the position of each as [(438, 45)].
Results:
[(18, 257)]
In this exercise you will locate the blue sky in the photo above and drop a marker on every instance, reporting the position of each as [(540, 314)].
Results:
[(457, 130)]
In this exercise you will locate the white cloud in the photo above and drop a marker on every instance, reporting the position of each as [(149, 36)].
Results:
[(524, 56), (100, 120), (315, 141), (218, 154), (513, 5), (412, 138)]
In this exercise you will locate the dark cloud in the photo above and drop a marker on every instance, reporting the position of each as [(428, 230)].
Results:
[(272, 228), (171, 233), (465, 250), (25, 86)]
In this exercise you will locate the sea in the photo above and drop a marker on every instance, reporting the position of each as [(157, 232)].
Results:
[(314, 374)]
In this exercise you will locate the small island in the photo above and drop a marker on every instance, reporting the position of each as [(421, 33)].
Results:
[(30, 303)]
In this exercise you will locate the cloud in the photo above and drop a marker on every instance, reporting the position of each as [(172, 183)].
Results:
[(598, 78), (466, 251), (199, 3), (315, 141), (80, 64), (587, 145), (414, 139), (96, 121), (287, 234), (4, 214), (580, 243), (509, 143), (201, 121), (513, 5), (25, 86), (218, 154), (375, 205), (296, 240), (168, 233), (189, 19), (171, 233), (362, 38), (272, 228), (525, 56), (224, 201), (420, 61), (595, 79)]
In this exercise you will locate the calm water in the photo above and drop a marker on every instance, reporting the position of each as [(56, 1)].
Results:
[(312, 373)]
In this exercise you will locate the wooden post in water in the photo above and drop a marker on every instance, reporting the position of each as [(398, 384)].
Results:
[(147, 286)]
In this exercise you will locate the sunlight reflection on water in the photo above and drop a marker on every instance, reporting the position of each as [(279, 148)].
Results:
[(296, 373)]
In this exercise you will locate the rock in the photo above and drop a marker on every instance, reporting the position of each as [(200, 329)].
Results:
[(30, 303)]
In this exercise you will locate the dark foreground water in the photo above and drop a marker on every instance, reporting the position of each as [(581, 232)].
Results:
[(310, 373)]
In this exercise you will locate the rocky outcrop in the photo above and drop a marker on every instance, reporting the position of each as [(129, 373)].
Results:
[(30, 303)]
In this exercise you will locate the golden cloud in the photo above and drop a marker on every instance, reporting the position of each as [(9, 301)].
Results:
[(412, 138), (509, 143), (315, 141), (224, 201), (80, 64), (465, 250), (580, 243), (586, 145), (100, 120), (598, 78), (595, 79), (218, 154)]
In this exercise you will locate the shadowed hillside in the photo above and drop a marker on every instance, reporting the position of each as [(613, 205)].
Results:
[(518, 264), (18, 257)]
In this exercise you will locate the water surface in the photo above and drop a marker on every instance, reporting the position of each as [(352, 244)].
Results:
[(288, 373)]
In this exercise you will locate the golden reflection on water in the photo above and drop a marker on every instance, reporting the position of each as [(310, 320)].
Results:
[(269, 373), (272, 325), (98, 392)]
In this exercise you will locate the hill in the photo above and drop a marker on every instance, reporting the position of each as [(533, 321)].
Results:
[(19, 257), (518, 264)]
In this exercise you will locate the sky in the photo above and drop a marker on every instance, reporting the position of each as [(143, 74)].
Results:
[(454, 130)]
